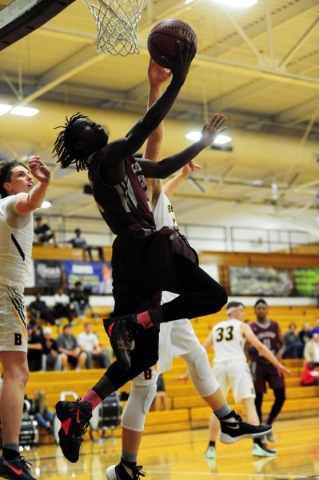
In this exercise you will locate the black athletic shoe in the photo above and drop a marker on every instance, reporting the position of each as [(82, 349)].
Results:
[(16, 469), (122, 332), (232, 431), (118, 472), (74, 417)]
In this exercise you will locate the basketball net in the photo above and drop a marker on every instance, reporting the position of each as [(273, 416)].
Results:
[(116, 22)]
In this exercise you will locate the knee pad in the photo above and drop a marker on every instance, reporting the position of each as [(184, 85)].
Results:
[(200, 372), (138, 404)]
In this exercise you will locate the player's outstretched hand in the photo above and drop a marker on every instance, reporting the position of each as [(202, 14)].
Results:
[(189, 168), (213, 128), (39, 170), (183, 378), (157, 74), (180, 66)]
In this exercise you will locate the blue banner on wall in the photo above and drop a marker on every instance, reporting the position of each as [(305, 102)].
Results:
[(94, 275)]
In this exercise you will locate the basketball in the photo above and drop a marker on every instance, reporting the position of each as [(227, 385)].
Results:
[(162, 39)]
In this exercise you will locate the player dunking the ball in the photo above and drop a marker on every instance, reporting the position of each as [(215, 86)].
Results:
[(144, 261)]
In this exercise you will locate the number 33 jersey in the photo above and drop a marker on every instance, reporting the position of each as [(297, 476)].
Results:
[(228, 341)]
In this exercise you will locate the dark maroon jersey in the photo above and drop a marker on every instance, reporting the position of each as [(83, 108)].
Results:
[(268, 334), (125, 204)]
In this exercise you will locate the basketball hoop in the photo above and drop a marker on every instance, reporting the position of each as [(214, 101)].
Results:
[(116, 22)]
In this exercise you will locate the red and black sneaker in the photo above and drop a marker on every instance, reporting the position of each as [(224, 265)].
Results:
[(17, 469), (74, 417), (122, 332)]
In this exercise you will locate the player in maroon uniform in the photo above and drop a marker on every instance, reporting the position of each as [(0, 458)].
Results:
[(144, 261), (268, 332)]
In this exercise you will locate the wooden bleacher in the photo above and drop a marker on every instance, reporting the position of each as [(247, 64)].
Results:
[(187, 410)]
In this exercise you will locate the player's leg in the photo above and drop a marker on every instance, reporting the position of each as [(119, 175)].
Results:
[(133, 419), (75, 416), (199, 295), (260, 447)]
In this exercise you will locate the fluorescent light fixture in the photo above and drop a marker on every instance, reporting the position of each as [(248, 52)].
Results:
[(193, 136), (24, 111), (238, 3), (46, 204), (220, 140), (256, 182), (4, 108)]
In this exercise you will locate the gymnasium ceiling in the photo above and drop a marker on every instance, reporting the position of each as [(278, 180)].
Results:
[(259, 66)]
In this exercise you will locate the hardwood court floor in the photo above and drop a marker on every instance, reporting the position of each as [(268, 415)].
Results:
[(180, 456)]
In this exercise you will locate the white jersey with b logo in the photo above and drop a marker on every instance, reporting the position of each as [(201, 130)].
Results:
[(16, 238), (175, 338), (228, 341)]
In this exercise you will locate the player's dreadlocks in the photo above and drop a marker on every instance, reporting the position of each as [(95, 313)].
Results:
[(64, 145)]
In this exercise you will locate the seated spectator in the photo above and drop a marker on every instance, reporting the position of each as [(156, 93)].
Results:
[(50, 355), (34, 354), (309, 376), (69, 348), (315, 329), (293, 346), (160, 400), (311, 351), (80, 242), (305, 333), (89, 343), (61, 306), (39, 410), (39, 309), (79, 300), (43, 233)]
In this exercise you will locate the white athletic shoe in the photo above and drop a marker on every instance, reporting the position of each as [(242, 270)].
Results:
[(259, 451), (210, 453), (110, 473), (270, 437)]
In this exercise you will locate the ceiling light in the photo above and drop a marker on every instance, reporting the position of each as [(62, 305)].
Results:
[(238, 3), (4, 108), (24, 111), (46, 204), (220, 140), (256, 182)]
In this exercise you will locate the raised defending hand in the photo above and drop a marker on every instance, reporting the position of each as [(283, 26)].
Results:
[(213, 128), (189, 168), (39, 170), (157, 74)]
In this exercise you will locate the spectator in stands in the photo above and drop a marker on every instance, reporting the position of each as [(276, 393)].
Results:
[(43, 233), (160, 401), (79, 300), (39, 409), (61, 306), (293, 346), (71, 351), (311, 352), (89, 343), (39, 309), (309, 376), (305, 333), (34, 347), (80, 242), (50, 355), (315, 329)]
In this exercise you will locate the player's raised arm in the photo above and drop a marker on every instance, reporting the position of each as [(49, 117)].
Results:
[(172, 164)]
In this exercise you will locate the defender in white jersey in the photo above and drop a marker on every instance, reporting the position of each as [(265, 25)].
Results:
[(19, 198), (176, 338), (232, 371)]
